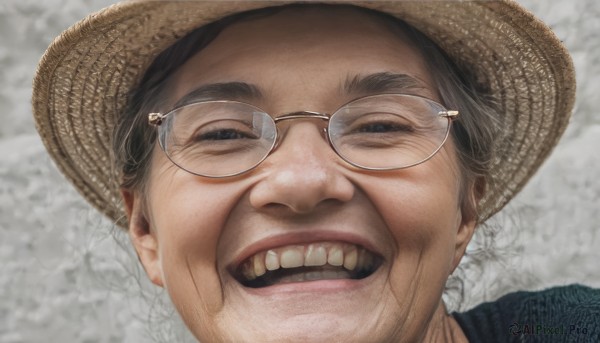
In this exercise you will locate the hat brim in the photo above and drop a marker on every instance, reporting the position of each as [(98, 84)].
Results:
[(84, 79)]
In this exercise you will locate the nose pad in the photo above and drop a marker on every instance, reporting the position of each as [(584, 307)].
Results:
[(325, 135), (301, 173)]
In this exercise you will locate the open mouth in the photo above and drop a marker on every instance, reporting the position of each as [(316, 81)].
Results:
[(311, 262)]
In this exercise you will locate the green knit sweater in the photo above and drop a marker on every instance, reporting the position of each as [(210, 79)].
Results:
[(561, 314)]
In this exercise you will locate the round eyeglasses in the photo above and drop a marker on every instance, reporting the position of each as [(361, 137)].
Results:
[(225, 138)]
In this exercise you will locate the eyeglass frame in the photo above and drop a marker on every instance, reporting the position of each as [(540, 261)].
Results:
[(156, 119)]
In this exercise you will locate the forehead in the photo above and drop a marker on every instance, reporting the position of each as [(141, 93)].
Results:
[(305, 53)]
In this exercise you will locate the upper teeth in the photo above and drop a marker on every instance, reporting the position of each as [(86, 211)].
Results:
[(312, 255)]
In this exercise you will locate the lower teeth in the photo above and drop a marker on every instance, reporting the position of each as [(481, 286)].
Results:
[(316, 275), (303, 274)]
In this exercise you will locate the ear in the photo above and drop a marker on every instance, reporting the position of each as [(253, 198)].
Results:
[(144, 240), (468, 221)]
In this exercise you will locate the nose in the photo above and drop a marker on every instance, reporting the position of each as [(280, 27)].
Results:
[(302, 173)]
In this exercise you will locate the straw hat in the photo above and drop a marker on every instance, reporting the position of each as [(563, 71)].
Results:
[(83, 80)]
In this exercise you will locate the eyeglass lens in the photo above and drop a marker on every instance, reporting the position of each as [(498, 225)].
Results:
[(225, 138)]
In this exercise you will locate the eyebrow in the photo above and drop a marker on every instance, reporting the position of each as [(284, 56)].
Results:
[(221, 91), (378, 83)]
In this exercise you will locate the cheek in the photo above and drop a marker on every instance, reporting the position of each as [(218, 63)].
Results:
[(423, 226), (421, 210), (188, 215)]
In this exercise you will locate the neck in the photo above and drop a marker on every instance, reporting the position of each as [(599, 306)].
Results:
[(443, 328)]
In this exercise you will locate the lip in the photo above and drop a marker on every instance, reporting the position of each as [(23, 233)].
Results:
[(299, 238)]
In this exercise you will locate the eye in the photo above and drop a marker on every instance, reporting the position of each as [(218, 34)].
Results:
[(383, 127), (380, 123), (222, 131), (225, 134)]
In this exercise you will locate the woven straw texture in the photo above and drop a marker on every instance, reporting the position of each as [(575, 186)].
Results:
[(84, 79)]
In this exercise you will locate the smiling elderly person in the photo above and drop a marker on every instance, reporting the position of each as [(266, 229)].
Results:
[(311, 172)]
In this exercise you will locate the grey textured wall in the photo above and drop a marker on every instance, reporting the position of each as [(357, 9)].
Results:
[(64, 277)]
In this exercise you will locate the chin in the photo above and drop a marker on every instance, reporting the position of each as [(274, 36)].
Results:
[(308, 304)]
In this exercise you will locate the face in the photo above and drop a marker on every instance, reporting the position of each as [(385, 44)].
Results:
[(383, 243)]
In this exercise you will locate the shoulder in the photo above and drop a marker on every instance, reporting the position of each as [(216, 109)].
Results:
[(560, 314)]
